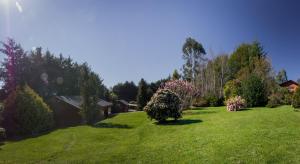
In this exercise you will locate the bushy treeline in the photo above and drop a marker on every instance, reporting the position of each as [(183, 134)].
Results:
[(44, 72), (247, 72), (31, 78)]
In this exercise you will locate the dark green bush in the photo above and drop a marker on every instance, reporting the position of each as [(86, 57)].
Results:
[(274, 100), (280, 96), (25, 113), (253, 91), (200, 102), (214, 101), (163, 105), (296, 99)]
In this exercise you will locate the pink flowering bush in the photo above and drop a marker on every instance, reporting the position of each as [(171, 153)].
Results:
[(184, 89), (235, 103)]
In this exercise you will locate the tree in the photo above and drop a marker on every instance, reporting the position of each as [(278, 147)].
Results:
[(281, 77), (253, 90), (193, 54), (184, 89), (127, 91), (12, 72), (176, 75), (25, 113), (242, 61), (90, 84), (164, 104), (143, 94)]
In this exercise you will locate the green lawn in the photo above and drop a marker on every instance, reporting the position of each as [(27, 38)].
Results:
[(211, 135)]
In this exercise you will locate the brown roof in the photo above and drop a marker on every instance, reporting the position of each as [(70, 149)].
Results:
[(288, 83)]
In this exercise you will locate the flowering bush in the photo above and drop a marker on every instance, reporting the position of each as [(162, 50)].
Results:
[(235, 103), (163, 104), (184, 89)]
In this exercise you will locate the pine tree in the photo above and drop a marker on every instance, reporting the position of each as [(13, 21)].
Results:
[(143, 94)]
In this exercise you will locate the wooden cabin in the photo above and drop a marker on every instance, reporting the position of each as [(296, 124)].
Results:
[(66, 110), (290, 85)]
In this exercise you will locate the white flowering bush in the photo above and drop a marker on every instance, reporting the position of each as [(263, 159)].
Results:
[(164, 104), (235, 103), (184, 89)]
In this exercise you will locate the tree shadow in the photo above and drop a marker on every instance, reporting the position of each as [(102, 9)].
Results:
[(179, 122), (244, 109), (111, 125), (199, 112)]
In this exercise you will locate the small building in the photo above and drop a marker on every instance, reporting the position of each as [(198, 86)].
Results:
[(290, 85), (66, 110), (121, 106)]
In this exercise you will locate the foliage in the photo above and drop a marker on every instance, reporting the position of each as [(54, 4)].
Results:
[(235, 103), (275, 100), (176, 75), (25, 113), (193, 54), (184, 89), (242, 60), (12, 72), (200, 102), (279, 96), (281, 77), (232, 88), (296, 99), (126, 91), (253, 90), (44, 72), (144, 93), (164, 104), (90, 84), (214, 101)]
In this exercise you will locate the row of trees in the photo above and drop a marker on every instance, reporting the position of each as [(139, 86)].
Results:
[(32, 78), (246, 72)]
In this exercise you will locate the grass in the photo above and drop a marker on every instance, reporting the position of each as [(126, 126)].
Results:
[(210, 135)]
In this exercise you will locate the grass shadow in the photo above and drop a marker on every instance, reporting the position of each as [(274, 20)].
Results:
[(199, 112), (179, 122), (244, 109), (111, 125)]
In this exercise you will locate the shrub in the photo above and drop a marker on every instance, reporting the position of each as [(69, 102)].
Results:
[(235, 103), (164, 104), (253, 90), (232, 88), (214, 101), (184, 89), (2, 134), (200, 102), (274, 100), (296, 99), (25, 113)]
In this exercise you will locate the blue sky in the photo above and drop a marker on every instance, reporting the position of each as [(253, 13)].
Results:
[(127, 40)]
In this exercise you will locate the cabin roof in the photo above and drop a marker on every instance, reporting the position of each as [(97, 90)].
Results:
[(288, 83), (76, 101)]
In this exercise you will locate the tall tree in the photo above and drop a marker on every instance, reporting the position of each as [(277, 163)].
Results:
[(281, 77), (89, 92), (193, 54), (176, 75), (143, 94), (12, 72)]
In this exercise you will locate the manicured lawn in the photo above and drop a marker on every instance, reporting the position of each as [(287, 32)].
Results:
[(210, 135)]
